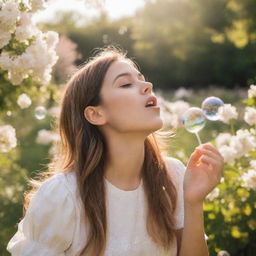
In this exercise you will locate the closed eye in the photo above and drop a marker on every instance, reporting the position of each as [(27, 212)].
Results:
[(126, 85)]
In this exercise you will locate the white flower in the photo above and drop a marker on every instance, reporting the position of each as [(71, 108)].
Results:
[(243, 142), (8, 15), (26, 28), (24, 101), (253, 131), (4, 38), (249, 179), (26, 61), (227, 112), (213, 194), (223, 139), (172, 111), (253, 164), (52, 38), (37, 5), (182, 93), (16, 77), (178, 108), (252, 91), (250, 115), (39, 56), (228, 153), (7, 138), (5, 61), (46, 137)]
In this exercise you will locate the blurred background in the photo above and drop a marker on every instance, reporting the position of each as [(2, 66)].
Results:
[(189, 50)]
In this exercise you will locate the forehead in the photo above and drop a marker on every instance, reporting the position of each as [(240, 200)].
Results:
[(118, 67)]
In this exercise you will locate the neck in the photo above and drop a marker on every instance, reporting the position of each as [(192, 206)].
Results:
[(124, 162)]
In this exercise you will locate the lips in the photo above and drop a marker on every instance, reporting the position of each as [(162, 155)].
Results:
[(151, 102)]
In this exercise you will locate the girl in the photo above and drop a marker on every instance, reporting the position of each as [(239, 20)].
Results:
[(112, 192)]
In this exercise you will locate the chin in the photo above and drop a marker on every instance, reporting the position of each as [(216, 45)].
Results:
[(157, 126)]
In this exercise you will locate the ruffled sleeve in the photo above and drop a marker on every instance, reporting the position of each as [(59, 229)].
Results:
[(176, 170), (49, 223)]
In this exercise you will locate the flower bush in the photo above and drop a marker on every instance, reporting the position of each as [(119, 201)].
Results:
[(230, 209), (27, 56)]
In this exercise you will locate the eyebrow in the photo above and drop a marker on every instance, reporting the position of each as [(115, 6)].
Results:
[(126, 74)]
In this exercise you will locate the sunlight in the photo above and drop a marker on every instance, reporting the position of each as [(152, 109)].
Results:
[(114, 8)]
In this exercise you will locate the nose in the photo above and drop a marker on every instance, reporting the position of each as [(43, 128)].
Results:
[(147, 87)]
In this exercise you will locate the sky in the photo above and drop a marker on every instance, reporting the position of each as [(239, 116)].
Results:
[(115, 8)]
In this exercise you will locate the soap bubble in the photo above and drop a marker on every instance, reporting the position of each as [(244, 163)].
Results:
[(193, 120), (223, 253), (210, 107), (40, 112)]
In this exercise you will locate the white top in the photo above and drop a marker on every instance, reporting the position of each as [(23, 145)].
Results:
[(54, 222)]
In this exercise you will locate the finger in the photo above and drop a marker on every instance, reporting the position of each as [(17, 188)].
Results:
[(213, 163), (211, 154), (193, 160), (209, 160), (210, 147)]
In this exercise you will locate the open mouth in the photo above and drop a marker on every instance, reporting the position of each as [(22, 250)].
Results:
[(151, 102)]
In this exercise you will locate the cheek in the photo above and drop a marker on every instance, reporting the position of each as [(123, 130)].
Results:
[(122, 109), (128, 115)]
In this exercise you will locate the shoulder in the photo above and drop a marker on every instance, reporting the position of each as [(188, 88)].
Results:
[(175, 168), (59, 187)]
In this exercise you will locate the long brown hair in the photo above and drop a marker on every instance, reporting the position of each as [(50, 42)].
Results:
[(83, 149)]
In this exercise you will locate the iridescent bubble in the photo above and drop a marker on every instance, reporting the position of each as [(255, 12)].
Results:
[(210, 107), (194, 120), (40, 112), (223, 253)]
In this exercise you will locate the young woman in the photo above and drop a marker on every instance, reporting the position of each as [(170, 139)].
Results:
[(112, 192)]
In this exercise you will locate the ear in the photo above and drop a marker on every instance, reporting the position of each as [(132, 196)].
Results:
[(94, 115)]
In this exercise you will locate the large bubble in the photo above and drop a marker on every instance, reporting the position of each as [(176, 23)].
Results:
[(210, 107), (193, 120), (40, 112)]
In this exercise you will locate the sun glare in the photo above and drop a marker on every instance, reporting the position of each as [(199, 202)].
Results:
[(114, 8)]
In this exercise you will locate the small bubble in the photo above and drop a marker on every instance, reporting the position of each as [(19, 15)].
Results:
[(40, 112)]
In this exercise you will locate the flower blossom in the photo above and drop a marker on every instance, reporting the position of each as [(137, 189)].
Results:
[(38, 5), (250, 115), (227, 112), (223, 139), (7, 138), (213, 194), (228, 153), (243, 142), (8, 15), (5, 38), (171, 112), (37, 60), (46, 137), (253, 164), (24, 101), (26, 27), (249, 179), (252, 91)]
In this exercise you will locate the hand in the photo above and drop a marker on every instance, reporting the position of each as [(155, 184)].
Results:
[(203, 173)]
